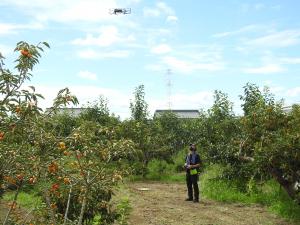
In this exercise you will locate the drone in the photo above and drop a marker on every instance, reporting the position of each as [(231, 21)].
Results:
[(117, 11)]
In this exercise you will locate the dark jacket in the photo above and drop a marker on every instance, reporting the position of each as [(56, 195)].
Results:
[(197, 161)]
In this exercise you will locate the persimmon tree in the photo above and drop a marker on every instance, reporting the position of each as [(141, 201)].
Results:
[(74, 172), (261, 144), (270, 139)]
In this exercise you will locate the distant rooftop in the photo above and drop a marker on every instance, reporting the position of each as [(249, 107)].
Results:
[(69, 111), (180, 113), (288, 109)]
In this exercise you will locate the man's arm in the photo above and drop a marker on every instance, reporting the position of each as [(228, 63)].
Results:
[(197, 165)]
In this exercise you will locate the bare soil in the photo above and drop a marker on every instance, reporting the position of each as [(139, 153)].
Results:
[(18, 214), (164, 203)]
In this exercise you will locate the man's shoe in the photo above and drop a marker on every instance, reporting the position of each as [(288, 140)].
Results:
[(189, 199), (196, 200)]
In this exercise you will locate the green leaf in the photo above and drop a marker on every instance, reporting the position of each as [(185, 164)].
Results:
[(40, 96), (46, 44), (32, 88)]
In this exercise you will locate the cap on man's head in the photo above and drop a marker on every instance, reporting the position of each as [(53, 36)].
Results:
[(193, 147)]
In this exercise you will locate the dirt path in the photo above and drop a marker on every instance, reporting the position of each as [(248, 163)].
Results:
[(164, 204), (18, 214)]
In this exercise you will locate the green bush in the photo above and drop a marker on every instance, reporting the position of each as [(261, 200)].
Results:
[(26, 200), (178, 160), (269, 193), (157, 169), (123, 210)]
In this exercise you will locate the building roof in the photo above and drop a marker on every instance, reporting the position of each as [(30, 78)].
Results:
[(180, 113), (69, 111), (288, 109)]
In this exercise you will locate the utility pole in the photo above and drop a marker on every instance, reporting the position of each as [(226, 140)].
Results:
[(169, 88)]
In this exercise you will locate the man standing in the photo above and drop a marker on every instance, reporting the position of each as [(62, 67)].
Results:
[(192, 164)]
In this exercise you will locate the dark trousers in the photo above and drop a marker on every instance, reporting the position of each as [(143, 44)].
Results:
[(192, 182)]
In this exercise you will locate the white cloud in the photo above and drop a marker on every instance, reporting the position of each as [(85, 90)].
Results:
[(161, 49), (277, 39), (172, 19), (6, 50), (133, 1), (272, 64), (270, 38), (87, 75), (7, 28), (91, 10), (92, 54), (290, 60), (190, 58), (274, 89), (276, 7), (265, 69), (153, 36), (165, 8), (65, 11), (118, 100), (148, 12), (109, 35), (196, 100), (293, 92), (161, 8), (259, 6), (188, 66), (155, 67), (248, 28), (252, 7)]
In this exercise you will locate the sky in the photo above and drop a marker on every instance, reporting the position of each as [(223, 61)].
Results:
[(206, 45)]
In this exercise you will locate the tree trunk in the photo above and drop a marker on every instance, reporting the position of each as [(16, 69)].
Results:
[(68, 205), (12, 205), (48, 203), (83, 206), (287, 185)]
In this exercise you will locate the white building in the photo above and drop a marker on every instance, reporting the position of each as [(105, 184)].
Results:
[(288, 109), (70, 111), (180, 113)]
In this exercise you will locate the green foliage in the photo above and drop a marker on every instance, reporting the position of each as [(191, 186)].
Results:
[(123, 210), (268, 193), (97, 220), (252, 97), (63, 124), (28, 200), (139, 107), (98, 112), (169, 131), (178, 160), (86, 156), (66, 160), (222, 107), (157, 169)]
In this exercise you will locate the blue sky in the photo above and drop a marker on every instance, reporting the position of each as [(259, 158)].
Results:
[(207, 45)]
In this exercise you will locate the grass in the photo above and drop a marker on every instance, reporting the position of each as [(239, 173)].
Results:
[(160, 170), (122, 204), (167, 178), (25, 199), (269, 194), (123, 209)]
